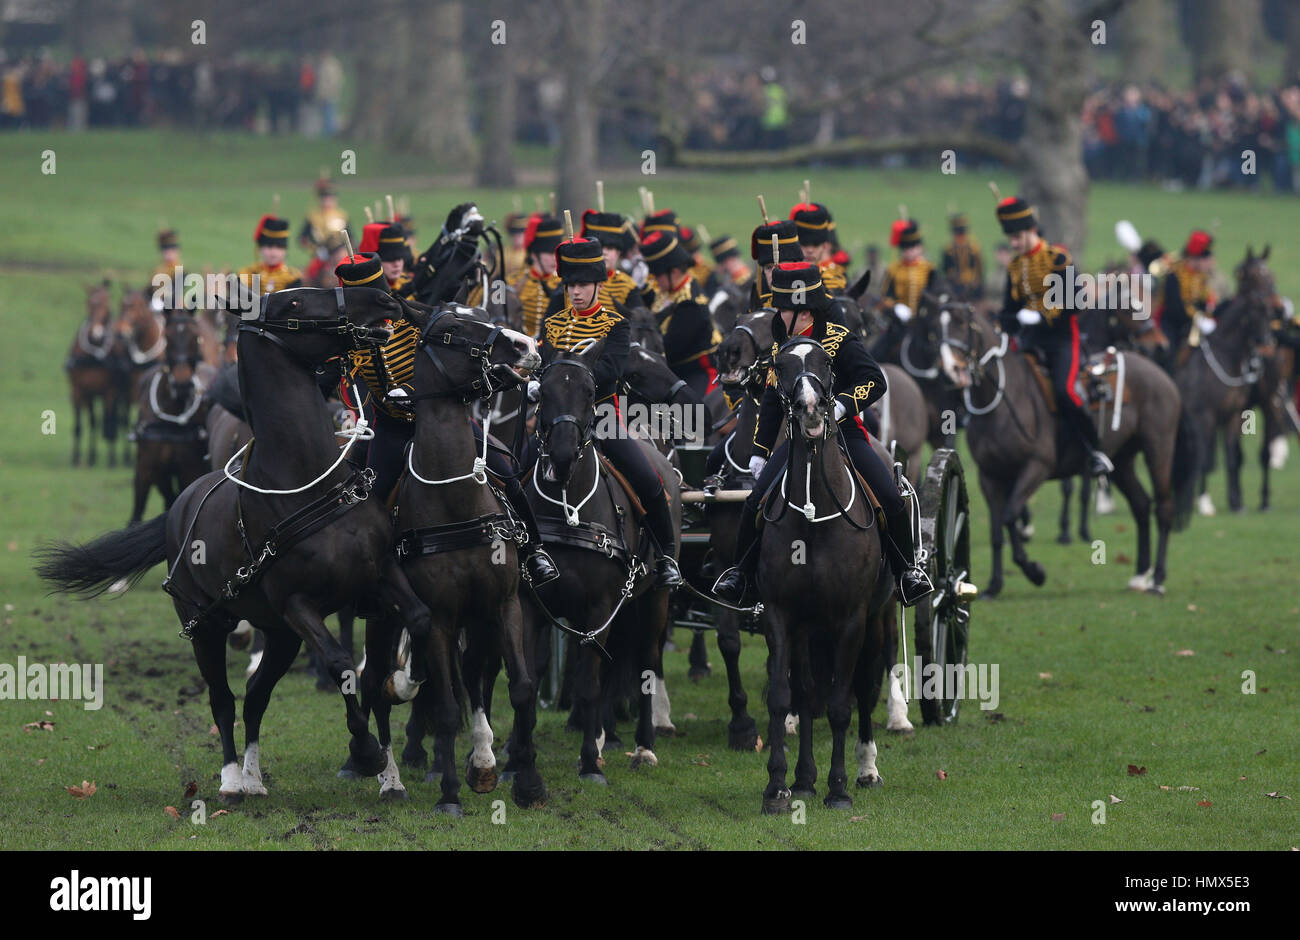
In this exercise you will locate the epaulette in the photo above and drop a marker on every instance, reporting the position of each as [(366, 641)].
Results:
[(835, 334)]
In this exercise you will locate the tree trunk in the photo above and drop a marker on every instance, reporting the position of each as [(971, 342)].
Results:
[(496, 165), (1053, 177), (1144, 31), (1291, 70), (380, 76), (1223, 35), (582, 38), (439, 94)]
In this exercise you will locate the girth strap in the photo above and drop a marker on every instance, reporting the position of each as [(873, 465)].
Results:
[(453, 536), (589, 535)]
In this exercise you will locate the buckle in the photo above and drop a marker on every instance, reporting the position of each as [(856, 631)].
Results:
[(291, 323)]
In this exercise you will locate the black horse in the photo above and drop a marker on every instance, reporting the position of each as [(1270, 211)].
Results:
[(826, 633), (286, 540)]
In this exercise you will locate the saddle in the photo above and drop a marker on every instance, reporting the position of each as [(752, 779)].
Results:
[(1095, 383), (638, 511), (872, 499)]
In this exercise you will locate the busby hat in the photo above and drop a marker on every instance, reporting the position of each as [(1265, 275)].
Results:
[(392, 243), (272, 232), (325, 188), (896, 230), (665, 220), (516, 223), (787, 237), (1149, 252), (168, 238), (813, 222), (663, 251), (1015, 215), (909, 236), (370, 237), (958, 223), (579, 260), (360, 271), (797, 285), (543, 233), (608, 228), (725, 248), (1199, 245), (690, 238)]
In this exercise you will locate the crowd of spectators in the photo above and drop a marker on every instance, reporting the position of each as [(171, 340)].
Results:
[(1212, 136), (290, 96)]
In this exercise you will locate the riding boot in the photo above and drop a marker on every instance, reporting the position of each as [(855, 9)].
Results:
[(913, 582), (539, 567), (659, 524), (731, 584), (1099, 464)]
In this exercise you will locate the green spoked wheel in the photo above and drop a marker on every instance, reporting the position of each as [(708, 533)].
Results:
[(942, 620)]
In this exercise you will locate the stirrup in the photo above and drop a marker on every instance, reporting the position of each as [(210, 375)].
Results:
[(540, 567), (913, 585), (667, 574), (730, 585)]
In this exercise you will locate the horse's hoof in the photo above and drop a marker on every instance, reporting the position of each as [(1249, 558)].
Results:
[(325, 684), (803, 793), (1085, 535), (1157, 589), (1035, 573), (667, 731), (992, 591), (231, 799), (743, 738), (838, 801), (367, 758), (1064, 539), (394, 794), (776, 805), (416, 759), (454, 810), (529, 796), (481, 779), (699, 672), (594, 778), (870, 781), (433, 776)]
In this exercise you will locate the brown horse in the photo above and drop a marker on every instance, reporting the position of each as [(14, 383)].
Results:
[(171, 434), (1017, 444), (1218, 378), (93, 376)]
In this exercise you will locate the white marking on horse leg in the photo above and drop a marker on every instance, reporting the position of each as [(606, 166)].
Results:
[(643, 756), (362, 667), (1143, 581), (254, 661), (242, 628), (232, 781), (1105, 502), (1205, 505), (253, 770), (865, 751), (661, 708), (896, 706), (482, 757), (390, 779), (1277, 453), (791, 723), (600, 743)]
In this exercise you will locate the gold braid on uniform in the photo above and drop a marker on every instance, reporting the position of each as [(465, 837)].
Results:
[(565, 329), (1029, 275), (270, 279), (395, 368), (964, 255), (833, 276), (535, 299), (1192, 285), (907, 281), (617, 288)]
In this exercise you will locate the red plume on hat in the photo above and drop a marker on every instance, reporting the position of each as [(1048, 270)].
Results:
[(804, 207), (896, 230), (1198, 244), (260, 223), (530, 229), (370, 237)]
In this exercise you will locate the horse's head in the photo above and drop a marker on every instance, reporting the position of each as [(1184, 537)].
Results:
[(743, 355), (465, 355), (184, 350), (98, 303), (804, 382), (1257, 287), (645, 331), (566, 411), (964, 337), (648, 378), (314, 325)]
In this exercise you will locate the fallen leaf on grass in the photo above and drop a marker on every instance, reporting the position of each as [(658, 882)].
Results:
[(1058, 817), (1204, 803), (41, 725), (214, 730), (1122, 558), (40, 761), (701, 760), (220, 812), (191, 788), (758, 743), (1114, 799), (172, 811), (942, 774), (1044, 675), (85, 791), (1135, 771), (1185, 653), (1275, 795), (1188, 789), (856, 818)]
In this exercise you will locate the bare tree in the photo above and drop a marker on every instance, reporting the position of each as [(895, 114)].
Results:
[(1222, 35), (581, 42)]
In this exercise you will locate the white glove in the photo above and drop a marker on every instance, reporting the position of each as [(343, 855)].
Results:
[(840, 411), (1028, 317), (1205, 324), (534, 389), (397, 394), (1288, 308), (756, 465), (903, 312)]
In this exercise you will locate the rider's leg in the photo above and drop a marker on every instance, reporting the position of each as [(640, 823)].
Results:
[(539, 565), (1063, 363), (730, 585), (626, 454), (913, 583), (387, 452)]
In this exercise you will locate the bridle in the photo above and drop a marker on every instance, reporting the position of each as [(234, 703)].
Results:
[(758, 368), (823, 397), (361, 337), (544, 428), (493, 377)]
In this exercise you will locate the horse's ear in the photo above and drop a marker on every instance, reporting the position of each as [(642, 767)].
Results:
[(416, 315), (1250, 253), (1264, 255)]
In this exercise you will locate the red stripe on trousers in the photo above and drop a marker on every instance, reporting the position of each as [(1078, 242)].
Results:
[(1074, 362)]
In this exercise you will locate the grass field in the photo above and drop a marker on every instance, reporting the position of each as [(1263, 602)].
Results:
[(1092, 678)]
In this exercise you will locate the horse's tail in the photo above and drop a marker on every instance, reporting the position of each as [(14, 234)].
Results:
[(91, 569), (1185, 470)]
